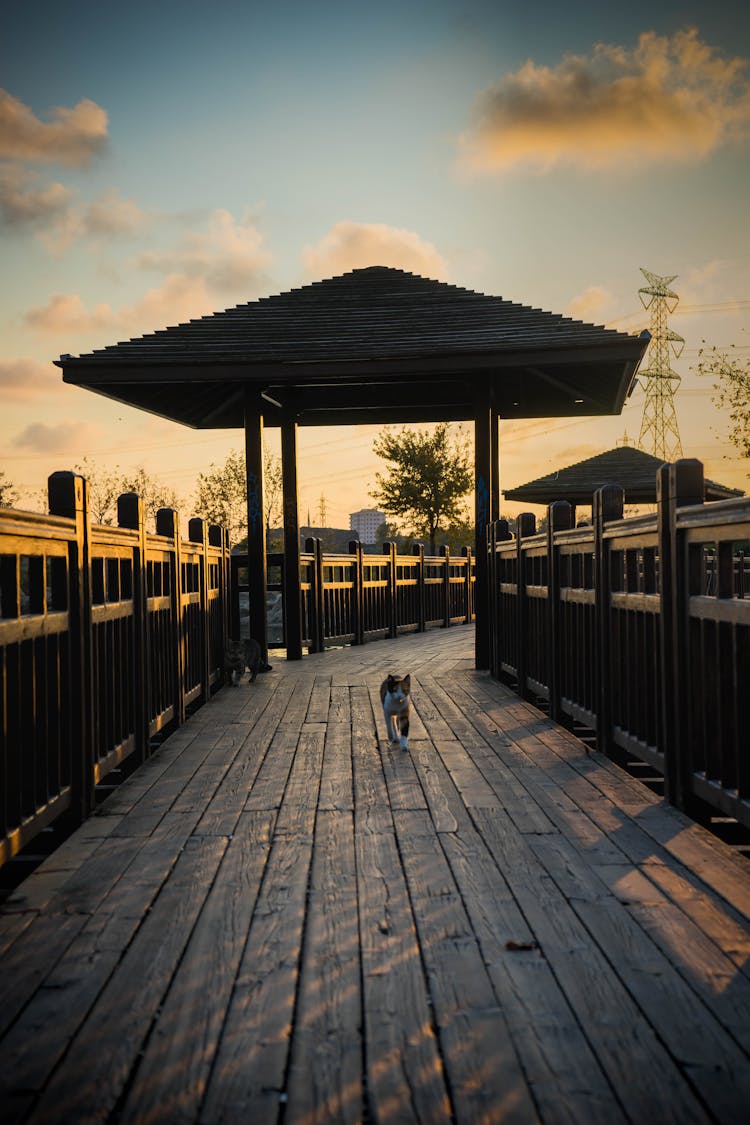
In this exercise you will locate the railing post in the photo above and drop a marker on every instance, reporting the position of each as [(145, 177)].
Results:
[(418, 551), (500, 534), (358, 626), (319, 594), (393, 589), (607, 506), (314, 600), (677, 485), (168, 524), (525, 526), (466, 553), (559, 518), (445, 554), (131, 514), (198, 533), (68, 495)]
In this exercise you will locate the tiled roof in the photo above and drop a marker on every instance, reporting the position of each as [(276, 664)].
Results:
[(631, 468), (359, 330)]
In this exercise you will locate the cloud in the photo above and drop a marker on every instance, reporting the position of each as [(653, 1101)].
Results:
[(73, 136), (589, 305), (24, 206), (229, 257), (23, 378), (349, 246), (110, 214), (178, 299), (67, 436), (667, 99)]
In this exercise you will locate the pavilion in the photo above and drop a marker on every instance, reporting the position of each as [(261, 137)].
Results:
[(375, 345), (633, 469)]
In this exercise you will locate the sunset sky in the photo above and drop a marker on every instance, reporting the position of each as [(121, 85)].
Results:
[(161, 161)]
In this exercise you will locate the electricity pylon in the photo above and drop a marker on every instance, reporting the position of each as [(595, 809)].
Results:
[(659, 433)]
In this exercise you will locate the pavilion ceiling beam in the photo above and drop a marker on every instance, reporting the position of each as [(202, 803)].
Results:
[(567, 387)]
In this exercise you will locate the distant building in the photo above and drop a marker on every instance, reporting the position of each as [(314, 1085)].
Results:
[(366, 523)]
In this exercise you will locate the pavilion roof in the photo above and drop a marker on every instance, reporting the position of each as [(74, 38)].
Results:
[(627, 466), (371, 345)]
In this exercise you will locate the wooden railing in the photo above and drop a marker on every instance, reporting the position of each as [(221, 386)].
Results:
[(107, 636), (353, 598), (639, 629)]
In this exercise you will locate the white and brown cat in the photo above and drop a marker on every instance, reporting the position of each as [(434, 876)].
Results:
[(395, 695)]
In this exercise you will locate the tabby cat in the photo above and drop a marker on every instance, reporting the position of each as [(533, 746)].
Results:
[(239, 655)]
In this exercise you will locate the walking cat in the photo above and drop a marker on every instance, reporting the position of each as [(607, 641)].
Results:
[(239, 655), (396, 699)]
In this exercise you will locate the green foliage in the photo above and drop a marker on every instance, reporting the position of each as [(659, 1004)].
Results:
[(428, 476), (221, 494), (8, 494), (105, 485), (731, 375)]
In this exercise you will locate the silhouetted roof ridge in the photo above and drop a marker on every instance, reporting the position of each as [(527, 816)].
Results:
[(632, 468)]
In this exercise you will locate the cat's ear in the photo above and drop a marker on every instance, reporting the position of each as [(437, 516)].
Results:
[(406, 683), (391, 683)]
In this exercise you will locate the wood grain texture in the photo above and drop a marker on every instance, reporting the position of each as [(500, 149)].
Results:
[(282, 918)]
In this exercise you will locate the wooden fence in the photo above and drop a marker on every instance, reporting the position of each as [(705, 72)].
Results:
[(107, 636), (353, 598), (639, 629)]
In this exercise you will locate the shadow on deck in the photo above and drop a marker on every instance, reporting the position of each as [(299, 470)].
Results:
[(280, 916)]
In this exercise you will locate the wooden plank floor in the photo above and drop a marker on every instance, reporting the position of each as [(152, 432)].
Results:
[(280, 917)]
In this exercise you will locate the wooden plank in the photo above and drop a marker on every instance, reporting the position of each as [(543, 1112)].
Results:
[(370, 791), (106, 1049), (483, 1070), (317, 711), (715, 1063), (405, 1076), (171, 1079), (226, 804), (325, 1073), (247, 1081), (643, 1075), (336, 782), (31, 958)]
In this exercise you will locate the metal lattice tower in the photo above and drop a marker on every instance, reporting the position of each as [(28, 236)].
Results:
[(659, 433)]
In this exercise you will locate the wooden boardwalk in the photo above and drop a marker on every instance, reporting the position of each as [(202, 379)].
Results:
[(280, 917)]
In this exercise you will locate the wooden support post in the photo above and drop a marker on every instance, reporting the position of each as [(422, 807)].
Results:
[(525, 526), (607, 505), (482, 502), (358, 593), (68, 496), (390, 550), (558, 519), (256, 525), (198, 533), (499, 533), (168, 523), (131, 514), (418, 550), (677, 485), (292, 591), (494, 512), (466, 553), (445, 554)]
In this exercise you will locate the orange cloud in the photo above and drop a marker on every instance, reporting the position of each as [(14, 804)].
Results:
[(110, 214), (66, 436), (22, 379), (349, 246), (589, 305), (73, 136), (667, 99), (178, 299), (229, 257), (22, 205)]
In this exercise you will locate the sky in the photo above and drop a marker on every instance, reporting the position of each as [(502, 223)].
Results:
[(162, 161)]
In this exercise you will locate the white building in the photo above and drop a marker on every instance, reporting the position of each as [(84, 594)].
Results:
[(366, 523)]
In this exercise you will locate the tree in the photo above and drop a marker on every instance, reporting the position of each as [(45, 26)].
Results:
[(221, 495), (8, 494), (428, 475), (105, 485), (731, 375)]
